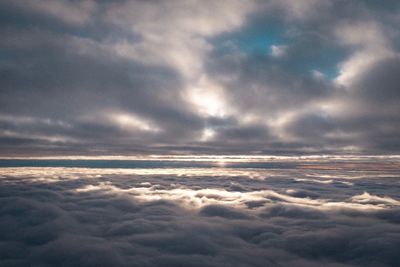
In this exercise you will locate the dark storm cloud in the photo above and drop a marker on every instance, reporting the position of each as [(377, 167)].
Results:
[(137, 76), (94, 217)]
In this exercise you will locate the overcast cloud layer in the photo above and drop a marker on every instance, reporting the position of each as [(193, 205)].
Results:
[(127, 77), (316, 214)]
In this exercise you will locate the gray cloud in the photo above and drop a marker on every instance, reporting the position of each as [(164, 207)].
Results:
[(141, 77), (103, 217)]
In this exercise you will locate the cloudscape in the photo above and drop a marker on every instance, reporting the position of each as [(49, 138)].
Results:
[(199, 133), (284, 212), (203, 77)]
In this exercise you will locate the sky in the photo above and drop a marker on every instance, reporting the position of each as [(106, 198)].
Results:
[(199, 77)]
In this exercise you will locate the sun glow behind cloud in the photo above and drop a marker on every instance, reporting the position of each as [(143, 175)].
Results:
[(208, 98), (129, 122)]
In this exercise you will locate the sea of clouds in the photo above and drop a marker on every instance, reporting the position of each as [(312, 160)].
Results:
[(199, 217)]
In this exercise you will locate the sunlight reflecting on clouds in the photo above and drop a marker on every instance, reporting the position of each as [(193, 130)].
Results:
[(241, 188), (285, 211), (190, 198), (207, 135), (128, 121), (49, 175), (208, 98)]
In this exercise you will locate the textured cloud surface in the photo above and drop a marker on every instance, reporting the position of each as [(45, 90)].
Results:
[(125, 77), (288, 213)]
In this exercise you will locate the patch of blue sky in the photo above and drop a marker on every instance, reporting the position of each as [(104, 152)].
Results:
[(326, 62), (257, 38), (304, 59), (258, 44)]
